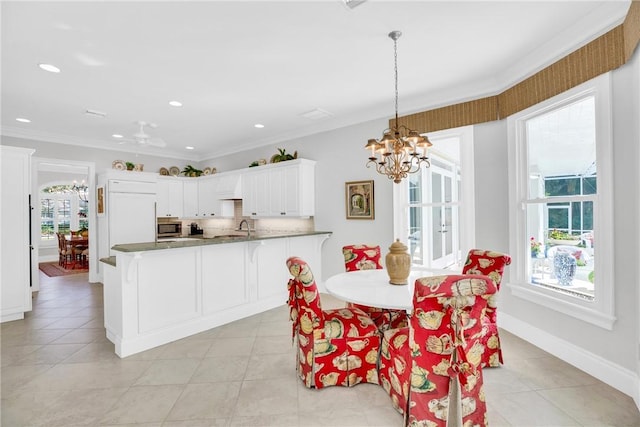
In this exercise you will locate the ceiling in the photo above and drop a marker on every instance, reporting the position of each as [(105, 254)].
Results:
[(238, 63)]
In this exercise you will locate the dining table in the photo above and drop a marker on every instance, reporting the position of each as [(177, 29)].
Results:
[(77, 240), (79, 243), (372, 287)]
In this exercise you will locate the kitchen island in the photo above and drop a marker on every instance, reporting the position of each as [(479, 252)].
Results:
[(155, 293)]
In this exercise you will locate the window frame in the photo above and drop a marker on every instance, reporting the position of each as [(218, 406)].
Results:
[(74, 206), (600, 311)]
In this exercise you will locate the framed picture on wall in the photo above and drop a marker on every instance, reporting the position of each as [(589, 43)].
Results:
[(100, 201), (359, 200)]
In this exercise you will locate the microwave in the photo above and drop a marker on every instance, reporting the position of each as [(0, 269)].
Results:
[(169, 229)]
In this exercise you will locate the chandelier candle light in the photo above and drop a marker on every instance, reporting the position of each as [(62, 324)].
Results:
[(399, 147), (81, 189)]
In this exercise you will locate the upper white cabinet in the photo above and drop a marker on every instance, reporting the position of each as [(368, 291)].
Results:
[(210, 198), (170, 197), (281, 189), (191, 204), (229, 185), (14, 227), (256, 193), (203, 198)]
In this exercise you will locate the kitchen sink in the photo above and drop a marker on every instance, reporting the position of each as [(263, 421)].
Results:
[(229, 236)]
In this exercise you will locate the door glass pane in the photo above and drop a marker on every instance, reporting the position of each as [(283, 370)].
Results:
[(415, 188), (447, 230), (448, 190), (436, 188), (436, 247), (415, 234)]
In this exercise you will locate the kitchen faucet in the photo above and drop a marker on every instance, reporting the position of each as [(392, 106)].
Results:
[(244, 221)]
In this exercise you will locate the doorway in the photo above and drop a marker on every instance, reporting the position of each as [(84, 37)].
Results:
[(47, 172), (434, 208)]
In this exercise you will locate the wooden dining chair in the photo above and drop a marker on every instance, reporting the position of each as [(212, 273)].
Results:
[(66, 254), (335, 347), (367, 257), (492, 264), (80, 250), (422, 366)]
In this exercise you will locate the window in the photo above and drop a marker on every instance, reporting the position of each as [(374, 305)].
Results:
[(61, 210), (434, 207), (560, 171)]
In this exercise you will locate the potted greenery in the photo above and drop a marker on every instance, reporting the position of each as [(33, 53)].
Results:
[(535, 247), (191, 171), (557, 237), (130, 166), (282, 156)]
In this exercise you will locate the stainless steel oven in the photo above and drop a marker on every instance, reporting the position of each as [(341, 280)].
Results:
[(169, 229)]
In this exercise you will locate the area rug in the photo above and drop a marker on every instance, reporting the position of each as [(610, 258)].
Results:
[(52, 269)]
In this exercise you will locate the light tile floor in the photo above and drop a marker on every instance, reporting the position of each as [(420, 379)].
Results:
[(58, 369)]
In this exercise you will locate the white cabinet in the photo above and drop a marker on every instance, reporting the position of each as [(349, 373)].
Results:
[(207, 197), (223, 277), (170, 197), (14, 228), (256, 193), (158, 296), (210, 203), (272, 272), (190, 197), (277, 190), (229, 186)]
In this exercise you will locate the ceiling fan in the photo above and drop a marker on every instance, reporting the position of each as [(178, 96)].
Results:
[(143, 138)]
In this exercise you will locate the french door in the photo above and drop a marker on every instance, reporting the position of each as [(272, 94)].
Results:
[(434, 208), (443, 236)]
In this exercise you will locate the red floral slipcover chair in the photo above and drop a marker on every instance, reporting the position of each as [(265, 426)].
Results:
[(443, 342), (492, 264), (367, 257), (336, 347)]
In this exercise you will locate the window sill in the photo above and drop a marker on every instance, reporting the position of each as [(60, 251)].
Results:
[(582, 310)]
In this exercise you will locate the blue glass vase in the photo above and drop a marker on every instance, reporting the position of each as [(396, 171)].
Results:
[(564, 267)]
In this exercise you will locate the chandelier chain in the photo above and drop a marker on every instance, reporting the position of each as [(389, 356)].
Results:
[(401, 150), (395, 71)]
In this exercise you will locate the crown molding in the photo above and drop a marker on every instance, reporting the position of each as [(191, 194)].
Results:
[(550, 52), (91, 143)]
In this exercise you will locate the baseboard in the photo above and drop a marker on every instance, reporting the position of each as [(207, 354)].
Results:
[(609, 373), (48, 258)]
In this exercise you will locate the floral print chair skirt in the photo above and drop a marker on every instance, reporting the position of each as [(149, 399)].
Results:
[(492, 264), (367, 257), (443, 342), (335, 347)]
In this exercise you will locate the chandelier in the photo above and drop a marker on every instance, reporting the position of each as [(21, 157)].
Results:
[(401, 150), (81, 189)]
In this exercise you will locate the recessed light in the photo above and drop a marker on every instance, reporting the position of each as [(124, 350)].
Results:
[(50, 68), (23, 120), (258, 125), (175, 103), (117, 135), (188, 147)]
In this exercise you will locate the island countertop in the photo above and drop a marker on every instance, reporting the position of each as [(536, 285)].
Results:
[(192, 241)]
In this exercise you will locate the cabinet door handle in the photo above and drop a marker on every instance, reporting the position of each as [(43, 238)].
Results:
[(283, 213)]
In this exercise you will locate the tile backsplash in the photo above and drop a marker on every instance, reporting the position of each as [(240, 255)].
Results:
[(218, 226)]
